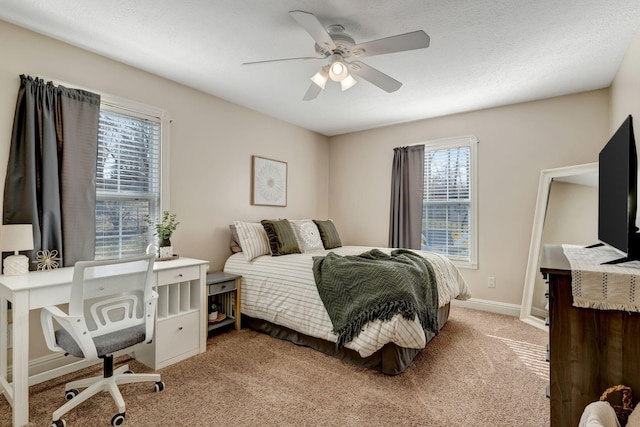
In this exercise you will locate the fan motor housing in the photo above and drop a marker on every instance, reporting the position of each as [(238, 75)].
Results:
[(342, 40)]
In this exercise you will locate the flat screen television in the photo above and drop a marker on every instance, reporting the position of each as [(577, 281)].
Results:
[(617, 193)]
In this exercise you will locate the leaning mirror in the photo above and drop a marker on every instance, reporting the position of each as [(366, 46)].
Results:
[(566, 212)]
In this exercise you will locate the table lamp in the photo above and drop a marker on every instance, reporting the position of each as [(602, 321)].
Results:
[(14, 238)]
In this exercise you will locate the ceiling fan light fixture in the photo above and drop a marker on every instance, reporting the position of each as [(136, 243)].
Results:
[(320, 78), (333, 44), (338, 70), (348, 82)]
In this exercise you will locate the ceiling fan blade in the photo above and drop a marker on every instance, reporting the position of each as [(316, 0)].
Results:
[(313, 91), (378, 78), (409, 41), (310, 23), (306, 58)]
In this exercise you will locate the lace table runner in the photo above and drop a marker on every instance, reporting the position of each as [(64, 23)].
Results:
[(603, 287)]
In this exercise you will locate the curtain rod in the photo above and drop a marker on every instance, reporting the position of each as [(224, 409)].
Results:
[(115, 101)]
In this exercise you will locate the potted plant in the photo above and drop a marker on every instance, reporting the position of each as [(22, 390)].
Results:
[(213, 313), (164, 228)]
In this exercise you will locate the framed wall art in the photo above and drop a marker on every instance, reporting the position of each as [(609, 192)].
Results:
[(268, 182)]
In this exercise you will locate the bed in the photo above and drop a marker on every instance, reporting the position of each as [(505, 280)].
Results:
[(280, 297)]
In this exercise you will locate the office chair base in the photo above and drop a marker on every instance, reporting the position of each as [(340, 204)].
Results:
[(94, 385), (116, 420)]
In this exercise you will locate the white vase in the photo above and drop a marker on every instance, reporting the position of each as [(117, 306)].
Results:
[(213, 316), (166, 251)]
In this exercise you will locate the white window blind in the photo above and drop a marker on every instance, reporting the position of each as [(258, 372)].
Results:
[(128, 181), (449, 199)]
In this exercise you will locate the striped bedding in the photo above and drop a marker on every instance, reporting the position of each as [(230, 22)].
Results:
[(282, 290)]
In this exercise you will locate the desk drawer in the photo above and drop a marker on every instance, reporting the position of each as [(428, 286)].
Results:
[(176, 275), (177, 335), (218, 288)]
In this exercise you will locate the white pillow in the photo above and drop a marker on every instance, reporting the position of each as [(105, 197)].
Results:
[(634, 418), (253, 239), (599, 414), (307, 235)]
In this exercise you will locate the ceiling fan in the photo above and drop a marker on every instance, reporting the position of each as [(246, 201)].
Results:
[(341, 50)]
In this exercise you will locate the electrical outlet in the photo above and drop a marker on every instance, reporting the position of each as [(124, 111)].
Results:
[(491, 282)]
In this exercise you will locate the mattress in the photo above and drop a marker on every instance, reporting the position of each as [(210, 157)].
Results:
[(281, 290)]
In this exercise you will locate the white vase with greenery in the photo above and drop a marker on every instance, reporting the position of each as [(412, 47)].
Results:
[(164, 228)]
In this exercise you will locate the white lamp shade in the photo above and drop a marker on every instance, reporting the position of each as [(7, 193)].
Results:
[(320, 78), (16, 237), (347, 82)]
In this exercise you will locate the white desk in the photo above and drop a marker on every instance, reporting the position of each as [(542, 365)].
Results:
[(44, 288)]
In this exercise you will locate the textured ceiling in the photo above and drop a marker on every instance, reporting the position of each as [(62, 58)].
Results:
[(483, 53)]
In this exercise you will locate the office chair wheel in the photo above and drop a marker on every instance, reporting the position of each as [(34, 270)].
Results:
[(70, 394), (117, 420), (59, 423), (159, 386)]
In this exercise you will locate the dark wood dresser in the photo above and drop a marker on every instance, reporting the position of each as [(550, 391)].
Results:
[(590, 350)]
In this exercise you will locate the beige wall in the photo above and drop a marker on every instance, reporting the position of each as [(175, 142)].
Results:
[(212, 142), (516, 143), (625, 89)]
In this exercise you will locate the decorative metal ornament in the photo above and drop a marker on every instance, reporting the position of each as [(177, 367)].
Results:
[(47, 260)]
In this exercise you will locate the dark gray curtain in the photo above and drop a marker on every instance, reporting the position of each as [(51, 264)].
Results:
[(51, 172), (407, 188)]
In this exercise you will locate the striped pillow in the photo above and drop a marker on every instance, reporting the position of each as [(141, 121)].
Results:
[(328, 234), (234, 242), (253, 239)]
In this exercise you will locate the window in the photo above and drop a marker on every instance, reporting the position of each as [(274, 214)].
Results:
[(449, 202), (128, 181)]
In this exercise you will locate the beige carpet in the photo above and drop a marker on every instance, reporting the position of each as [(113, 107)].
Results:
[(482, 370)]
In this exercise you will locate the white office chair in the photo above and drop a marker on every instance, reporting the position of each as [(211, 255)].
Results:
[(112, 307)]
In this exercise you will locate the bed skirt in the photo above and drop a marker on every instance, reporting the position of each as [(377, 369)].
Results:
[(390, 359)]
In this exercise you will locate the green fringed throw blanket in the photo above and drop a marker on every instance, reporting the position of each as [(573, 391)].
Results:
[(357, 289)]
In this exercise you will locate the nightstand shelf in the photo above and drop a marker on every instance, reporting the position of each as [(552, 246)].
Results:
[(224, 289), (221, 324)]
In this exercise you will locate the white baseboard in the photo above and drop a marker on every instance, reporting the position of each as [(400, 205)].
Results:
[(490, 306), (48, 362), (539, 312), (54, 365)]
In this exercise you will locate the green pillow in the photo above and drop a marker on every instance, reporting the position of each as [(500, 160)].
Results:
[(282, 239), (328, 234)]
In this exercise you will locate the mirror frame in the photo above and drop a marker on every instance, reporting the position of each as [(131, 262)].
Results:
[(544, 186)]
